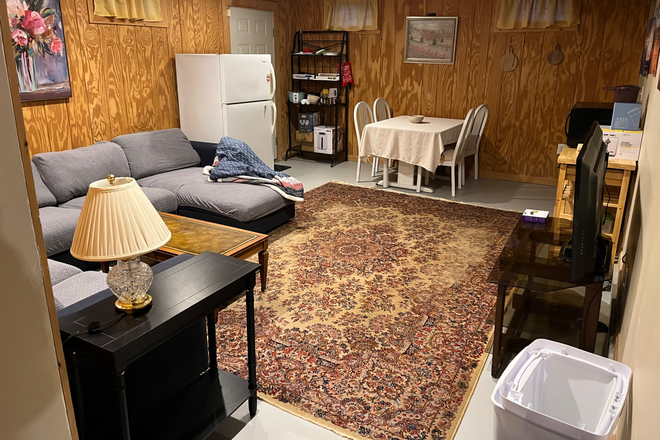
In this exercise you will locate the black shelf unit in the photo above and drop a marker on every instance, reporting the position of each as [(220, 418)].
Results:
[(310, 62)]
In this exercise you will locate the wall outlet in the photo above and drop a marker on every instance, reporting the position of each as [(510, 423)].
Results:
[(560, 148)]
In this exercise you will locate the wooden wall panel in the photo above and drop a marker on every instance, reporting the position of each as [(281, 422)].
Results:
[(525, 123), (528, 107), (124, 80)]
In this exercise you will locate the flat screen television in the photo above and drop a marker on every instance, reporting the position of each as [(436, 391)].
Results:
[(589, 249)]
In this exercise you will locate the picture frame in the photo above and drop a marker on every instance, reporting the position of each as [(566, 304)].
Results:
[(40, 56), (431, 40)]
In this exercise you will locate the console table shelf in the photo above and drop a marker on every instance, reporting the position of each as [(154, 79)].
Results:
[(115, 371)]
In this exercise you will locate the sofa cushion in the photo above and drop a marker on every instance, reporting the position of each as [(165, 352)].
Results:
[(44, 196), (77, 288), (162, 199), (155, 152), (238, 201), (61, 271), (58, 226), (68, 173)]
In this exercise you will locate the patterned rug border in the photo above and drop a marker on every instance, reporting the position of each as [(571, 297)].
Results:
[(415, 194), (294, 410)]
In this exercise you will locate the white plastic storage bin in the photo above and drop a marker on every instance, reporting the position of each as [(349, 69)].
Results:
[(552, 391)]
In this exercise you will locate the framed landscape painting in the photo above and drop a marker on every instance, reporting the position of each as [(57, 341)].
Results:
[(431, 40), (39, 49)]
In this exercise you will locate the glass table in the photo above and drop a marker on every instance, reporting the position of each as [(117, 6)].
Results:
[(541, 297)]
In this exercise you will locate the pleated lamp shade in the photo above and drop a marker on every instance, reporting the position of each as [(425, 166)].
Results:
[(117, 222)]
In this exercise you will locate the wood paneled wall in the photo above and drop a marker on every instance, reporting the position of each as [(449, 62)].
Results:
[(123, 77), (528, 106)]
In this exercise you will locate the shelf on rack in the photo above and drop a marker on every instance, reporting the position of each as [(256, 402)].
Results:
[(315, 55), (316, 79), (342, 104)]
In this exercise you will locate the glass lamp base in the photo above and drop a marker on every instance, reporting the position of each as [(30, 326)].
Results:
[(130, 280)]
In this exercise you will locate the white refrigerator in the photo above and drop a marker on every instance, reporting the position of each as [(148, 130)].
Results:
[(228, 95)]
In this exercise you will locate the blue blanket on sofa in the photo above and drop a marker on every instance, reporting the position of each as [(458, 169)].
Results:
[(236, 162)]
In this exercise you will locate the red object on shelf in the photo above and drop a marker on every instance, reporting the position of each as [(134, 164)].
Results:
[(346, 74)]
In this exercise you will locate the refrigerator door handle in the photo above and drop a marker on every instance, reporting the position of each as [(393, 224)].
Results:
[(274, 117), (273, 86)]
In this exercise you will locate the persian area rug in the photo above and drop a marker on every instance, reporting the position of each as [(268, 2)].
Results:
[(377, 313)]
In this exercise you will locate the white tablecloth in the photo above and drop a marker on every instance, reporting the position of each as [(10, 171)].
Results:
[(416, 144)]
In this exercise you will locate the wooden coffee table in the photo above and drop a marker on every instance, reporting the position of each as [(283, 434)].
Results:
[(191, 236)]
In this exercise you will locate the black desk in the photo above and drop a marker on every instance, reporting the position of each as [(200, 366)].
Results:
[(531, 264), (182, 296)]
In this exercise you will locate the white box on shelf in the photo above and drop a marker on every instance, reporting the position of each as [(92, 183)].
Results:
[(324, 139), (623, 144)]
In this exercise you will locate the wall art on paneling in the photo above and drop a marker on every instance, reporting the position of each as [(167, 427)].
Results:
[(39, 50), (431, 40)]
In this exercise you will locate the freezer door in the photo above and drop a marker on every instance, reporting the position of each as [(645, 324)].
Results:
[(253, 124), (246, 78), (200, 100)]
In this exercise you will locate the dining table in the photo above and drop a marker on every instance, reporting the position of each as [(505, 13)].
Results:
[(413, 145)]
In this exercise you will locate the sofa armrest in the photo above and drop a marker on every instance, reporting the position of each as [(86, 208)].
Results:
[(206, 151)]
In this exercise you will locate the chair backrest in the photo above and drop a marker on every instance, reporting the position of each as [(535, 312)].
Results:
[(381, 110), (480, 119), (463, 138), (362, 116)]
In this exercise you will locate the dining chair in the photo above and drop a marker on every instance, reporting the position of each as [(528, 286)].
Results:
[(474, 140), (362, 116), (454, 157), (381, 112)]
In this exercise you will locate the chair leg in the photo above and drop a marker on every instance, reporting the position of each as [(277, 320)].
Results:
[(374, 167), (460, 172), (476, 166), (463, 171), (359, 164), (453, 181)]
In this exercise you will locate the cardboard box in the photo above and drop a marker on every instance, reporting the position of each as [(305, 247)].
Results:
[(307, 121), (623, 144), (305, 137), (626, 116), (324, 139)]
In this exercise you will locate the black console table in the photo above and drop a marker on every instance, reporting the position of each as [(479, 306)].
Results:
[(530, 267), (183, 295)]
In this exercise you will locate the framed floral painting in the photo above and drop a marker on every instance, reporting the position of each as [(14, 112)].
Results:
[(431, 40), (39, 49)]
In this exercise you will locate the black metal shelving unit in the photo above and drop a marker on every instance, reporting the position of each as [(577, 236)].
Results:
[(304, 59)]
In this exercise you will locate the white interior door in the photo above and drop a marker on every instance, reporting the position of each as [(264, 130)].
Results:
[(252, 123), (251, 31)]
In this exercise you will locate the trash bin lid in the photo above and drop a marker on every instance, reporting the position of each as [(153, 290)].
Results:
[(564, 389)]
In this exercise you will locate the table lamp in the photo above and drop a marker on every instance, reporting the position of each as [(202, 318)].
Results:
[(118, 222)]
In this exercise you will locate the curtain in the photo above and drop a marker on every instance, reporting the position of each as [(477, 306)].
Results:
[(351, 15), (146, 10), (538, 14)]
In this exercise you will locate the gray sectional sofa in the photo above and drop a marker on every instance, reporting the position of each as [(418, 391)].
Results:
[(71, 285), (167, 167)]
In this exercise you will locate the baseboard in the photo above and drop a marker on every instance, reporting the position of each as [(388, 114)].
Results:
[(550, 181)]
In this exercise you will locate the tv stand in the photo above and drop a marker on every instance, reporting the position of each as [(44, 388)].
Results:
[(533, 270)]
